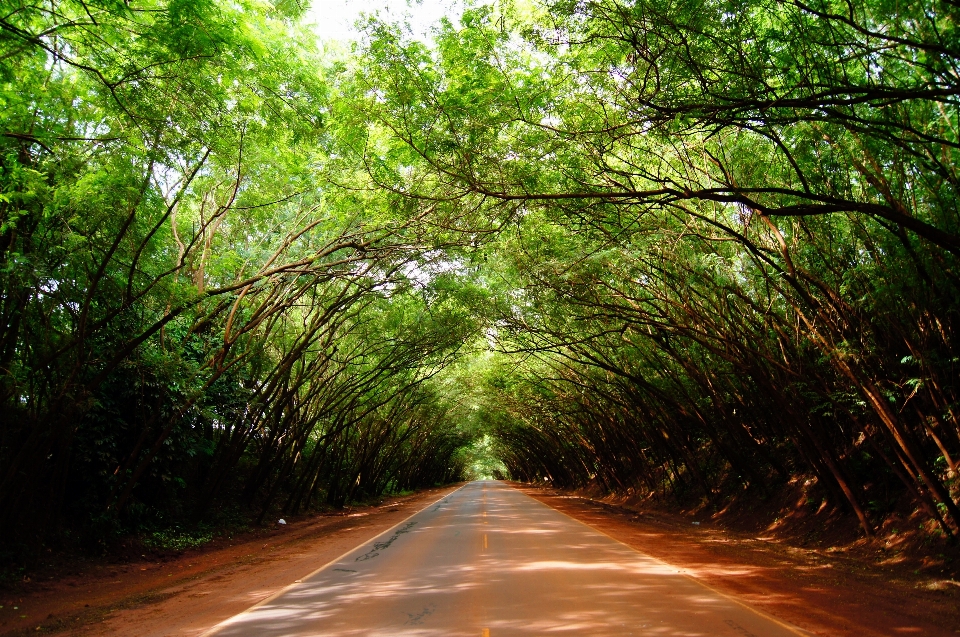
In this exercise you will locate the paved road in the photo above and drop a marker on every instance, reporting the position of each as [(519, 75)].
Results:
[(489, 561)]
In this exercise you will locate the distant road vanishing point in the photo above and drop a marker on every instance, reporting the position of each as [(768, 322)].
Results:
[(489, 561)]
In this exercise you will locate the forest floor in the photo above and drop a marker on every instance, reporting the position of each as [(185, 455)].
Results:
[(842, 589), (838, 586)]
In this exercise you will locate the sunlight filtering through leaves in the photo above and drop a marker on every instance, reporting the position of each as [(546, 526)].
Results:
[(259, 258)]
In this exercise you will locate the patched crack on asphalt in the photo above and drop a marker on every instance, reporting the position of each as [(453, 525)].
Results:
[(417, 618), (379, 546), (739, 629), (345, 570)]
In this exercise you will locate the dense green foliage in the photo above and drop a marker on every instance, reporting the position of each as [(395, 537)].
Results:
[(205, 307), (731, 237), (659, 246)]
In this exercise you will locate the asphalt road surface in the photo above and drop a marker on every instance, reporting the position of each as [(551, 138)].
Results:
[(489, 561)]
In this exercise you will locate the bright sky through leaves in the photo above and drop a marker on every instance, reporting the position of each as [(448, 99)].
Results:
[(335, 19)]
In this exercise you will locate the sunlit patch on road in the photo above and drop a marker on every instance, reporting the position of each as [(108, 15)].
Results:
[(546, 574)]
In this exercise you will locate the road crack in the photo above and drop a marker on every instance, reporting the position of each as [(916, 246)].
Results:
[(380, 546)]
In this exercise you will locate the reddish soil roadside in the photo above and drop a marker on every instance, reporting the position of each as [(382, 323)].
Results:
[(189, 593), (821, 592)]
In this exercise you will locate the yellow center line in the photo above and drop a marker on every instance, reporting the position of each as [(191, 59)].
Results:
[(485, 632), (484, 540)]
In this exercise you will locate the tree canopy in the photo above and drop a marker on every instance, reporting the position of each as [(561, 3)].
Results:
[(665, 247)]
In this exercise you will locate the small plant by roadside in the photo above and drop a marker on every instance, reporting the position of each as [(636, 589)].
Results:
[(177, 539)]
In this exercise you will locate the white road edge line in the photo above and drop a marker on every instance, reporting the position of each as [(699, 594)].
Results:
[(683, 572), (226, 622)]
